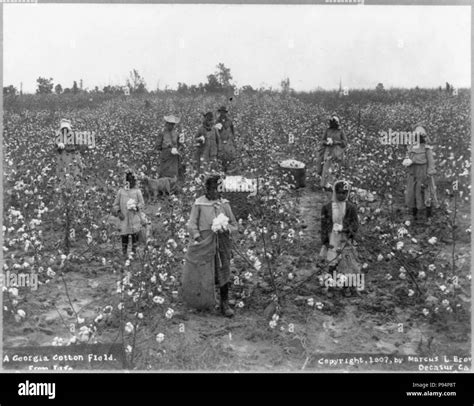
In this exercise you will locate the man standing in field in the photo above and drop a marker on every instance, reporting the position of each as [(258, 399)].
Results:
[(227, 150), (207, 144), (170, 146)]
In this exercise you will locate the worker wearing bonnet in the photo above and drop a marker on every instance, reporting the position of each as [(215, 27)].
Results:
[(168, 143), (69, 161)]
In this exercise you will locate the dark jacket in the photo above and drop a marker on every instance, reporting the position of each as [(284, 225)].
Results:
[(350, 224)]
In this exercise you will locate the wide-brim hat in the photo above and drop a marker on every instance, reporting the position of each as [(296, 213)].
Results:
[(171, 119), (223, 109)]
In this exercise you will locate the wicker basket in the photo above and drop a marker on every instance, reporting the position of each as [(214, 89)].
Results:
[(296, 176)]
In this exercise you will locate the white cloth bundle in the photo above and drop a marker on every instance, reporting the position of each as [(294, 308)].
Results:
[(292, 164), (238, 184)]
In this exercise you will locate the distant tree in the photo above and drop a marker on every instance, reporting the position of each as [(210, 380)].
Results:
[(75, 88), (45, 86), (9, 90), (113, 90), (218, 81), (247, 89), (136, 83), (379, 87), (182, 88), (213, 84), (66, 90), (58, 89), (223, 75)]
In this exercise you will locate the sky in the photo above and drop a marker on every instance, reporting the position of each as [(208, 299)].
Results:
[(313, 45)]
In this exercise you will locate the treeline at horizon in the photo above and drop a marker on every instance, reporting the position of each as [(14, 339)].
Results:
[(220, 82), (329, 98)]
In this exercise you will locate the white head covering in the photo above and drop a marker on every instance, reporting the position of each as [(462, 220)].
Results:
[(171, 119), (347, 187), (65, 124), (338, 207)]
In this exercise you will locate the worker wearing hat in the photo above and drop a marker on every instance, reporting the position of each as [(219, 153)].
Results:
[(207, 144), (169, 145), (227, 150)]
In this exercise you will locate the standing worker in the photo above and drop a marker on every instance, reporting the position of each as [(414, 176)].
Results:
[(69, 163), (227, 148), (332, 151), (171, 148), (207, 144), (421, 189), (208, 257)]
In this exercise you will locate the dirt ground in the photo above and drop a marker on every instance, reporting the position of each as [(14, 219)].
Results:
[(365, 324)]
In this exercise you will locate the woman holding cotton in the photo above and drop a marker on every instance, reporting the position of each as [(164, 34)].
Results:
[(170, 146), (208, 256), (69, 162), (207, 144), (332, 151), (420, 193)]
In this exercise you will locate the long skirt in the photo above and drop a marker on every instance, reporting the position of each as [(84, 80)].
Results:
[(342, 256), (431, 195), (207, 263), (332, 156), (69, 163), (169, 165), (416, 183)]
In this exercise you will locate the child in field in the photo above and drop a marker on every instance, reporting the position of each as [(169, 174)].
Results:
[(127, 207), (339, 224)]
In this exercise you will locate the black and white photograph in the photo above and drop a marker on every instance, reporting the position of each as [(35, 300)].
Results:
[(236, 188)]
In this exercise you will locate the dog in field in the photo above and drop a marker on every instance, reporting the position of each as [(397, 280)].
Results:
[(152, 188)]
